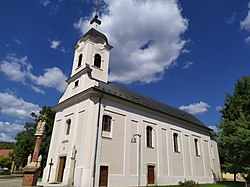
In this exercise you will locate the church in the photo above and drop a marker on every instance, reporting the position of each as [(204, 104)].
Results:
[(107, 135)]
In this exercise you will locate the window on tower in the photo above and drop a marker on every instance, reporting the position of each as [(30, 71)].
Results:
[(97, 60), (79, 61)]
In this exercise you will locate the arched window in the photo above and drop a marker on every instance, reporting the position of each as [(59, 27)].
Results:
[(68, 124), (97, 61), (106, 123), (149, 136), (196, 146), (176, 146), (79, 60)]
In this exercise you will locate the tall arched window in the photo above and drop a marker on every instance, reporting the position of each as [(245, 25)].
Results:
[(176, 146), (79, 60), (149, 136), (68, 124), (196, 146), (97, 61)]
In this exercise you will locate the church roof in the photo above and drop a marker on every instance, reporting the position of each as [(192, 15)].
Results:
[(124, 93), (96, 34)]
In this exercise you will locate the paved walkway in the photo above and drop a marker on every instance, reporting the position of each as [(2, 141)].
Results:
[(11, 182)]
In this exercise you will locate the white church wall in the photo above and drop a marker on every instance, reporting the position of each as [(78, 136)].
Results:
[(170, 166)]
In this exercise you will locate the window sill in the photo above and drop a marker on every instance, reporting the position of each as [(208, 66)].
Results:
[(78, 67), (150, 147), (178, 152), (65, 141), (97, 68)]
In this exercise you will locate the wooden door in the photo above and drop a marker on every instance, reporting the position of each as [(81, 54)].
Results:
[(151, 175), (62, 161), (103, 178)]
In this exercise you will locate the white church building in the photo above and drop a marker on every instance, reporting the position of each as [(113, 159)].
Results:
[(96, 120)]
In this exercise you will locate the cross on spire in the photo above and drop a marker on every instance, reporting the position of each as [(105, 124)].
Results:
[(95, 22), (96, 8)]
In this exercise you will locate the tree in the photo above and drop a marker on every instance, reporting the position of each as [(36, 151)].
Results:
[(234, 129), (26, 139), (7, 145)]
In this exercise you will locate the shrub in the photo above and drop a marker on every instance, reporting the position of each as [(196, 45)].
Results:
[(189, 183)]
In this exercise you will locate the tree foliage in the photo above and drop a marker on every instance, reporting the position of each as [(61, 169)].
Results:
[(7, 145), (26, 139), (234, 129)]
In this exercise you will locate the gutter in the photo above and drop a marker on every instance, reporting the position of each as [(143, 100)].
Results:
[(97, 140)]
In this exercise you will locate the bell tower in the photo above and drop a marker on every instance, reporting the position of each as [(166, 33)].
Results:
[(91, 61), (93, 49)]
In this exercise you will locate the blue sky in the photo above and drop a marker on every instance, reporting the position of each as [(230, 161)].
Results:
[(187, 54)]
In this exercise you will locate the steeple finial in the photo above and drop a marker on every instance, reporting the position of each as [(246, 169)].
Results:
[(96, 8), (95, 22)]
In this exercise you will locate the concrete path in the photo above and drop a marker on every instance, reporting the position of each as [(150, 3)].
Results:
[(11, 182)]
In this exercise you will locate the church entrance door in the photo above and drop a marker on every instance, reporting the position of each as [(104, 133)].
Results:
[(62, 161), (151, 174), (103, 179)]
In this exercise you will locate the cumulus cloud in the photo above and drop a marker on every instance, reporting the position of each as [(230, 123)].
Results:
[(15, 68), (145, 36), (6, 138), (19, 69), (219, 108), (54, 44), (13, 106), (52, 77), (187, 65), (245, 24), (195, 108), (9, 130), (44, 2), (213, 127)]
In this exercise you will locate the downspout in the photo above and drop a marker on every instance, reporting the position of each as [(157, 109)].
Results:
[(97, 138)]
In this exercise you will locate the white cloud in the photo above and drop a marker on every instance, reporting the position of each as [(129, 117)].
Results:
[(187, 65), (10, 129), (130, 26), (54, 44), (52, 77), (245, 24), (38, 90), (218, 108), (13, 106), (15, 68), (247, 40), (17, 41), (213, 127), (20, 70), (44, 2), (196, 108), (232, 19), (6, 138)]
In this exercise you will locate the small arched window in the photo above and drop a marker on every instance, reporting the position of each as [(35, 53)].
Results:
[(196, 146), (79, 60), (68, 124), (106, 123), (149, 136), (175, 138), (97, 61)]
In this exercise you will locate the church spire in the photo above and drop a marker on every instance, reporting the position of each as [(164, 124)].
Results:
[(95, 22)]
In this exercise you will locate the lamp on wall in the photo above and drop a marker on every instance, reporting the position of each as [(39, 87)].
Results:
[(133, 140)]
